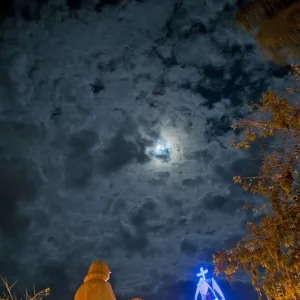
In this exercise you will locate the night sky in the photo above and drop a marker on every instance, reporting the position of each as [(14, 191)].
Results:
[(87, 90)]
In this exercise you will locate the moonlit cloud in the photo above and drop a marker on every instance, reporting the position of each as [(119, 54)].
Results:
[(83, 95)]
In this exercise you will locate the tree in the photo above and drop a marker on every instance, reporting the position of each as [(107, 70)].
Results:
[(9, 295), (270, 251), (275, 26)]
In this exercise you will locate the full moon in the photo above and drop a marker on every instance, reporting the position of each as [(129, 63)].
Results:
[(166, 151), (162, 150)]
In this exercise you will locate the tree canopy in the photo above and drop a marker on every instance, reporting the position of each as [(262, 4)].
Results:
[(270, 251)]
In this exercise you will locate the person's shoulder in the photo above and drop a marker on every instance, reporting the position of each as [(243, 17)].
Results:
[(92, 282), (92, 285), (98, 281)]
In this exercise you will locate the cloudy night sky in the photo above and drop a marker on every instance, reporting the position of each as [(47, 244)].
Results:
[(87, 91)]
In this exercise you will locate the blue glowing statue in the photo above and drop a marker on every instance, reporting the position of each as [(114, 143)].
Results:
[(208, 289)]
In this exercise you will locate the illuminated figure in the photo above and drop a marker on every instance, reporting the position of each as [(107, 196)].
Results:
[(207, 289), (95, 286)]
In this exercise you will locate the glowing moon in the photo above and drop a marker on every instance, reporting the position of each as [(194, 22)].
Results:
[(162, 151)]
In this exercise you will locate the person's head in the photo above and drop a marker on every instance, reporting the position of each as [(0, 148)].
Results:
[(98, 270)]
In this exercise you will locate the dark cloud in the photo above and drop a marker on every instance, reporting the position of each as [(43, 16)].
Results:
[(279, 70), (6, 9), (181, 290), (199, 216), (178, 13), (133, 240), (219, 203), (185, 111), (20, 182), (53, 274), (142, 214), (126, 147), (173, 202), (188, 247), (157, 182), (97, 87), (160, 86), (245, 167), (17, 136), (118, 206), (10, 267), (101, 4), (74, 4), (79, 169), (133, 233), (202, 155), (208, 93), (240, 167), (79, 163), (56, 112), (211, 232), (192, 182), (217, 127), (19, 185), (82, 141), (163, 175), (232, 88), (196, 28), (167, 60), (29, 11)]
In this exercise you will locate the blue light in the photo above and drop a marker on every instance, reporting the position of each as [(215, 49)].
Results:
[(202, 273), (207, 287)]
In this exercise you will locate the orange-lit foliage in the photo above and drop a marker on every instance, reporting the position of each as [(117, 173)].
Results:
[(270, 251), (10, 295), (275, 26)]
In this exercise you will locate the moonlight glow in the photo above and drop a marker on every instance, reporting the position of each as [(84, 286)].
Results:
[(166, 151), (162, 150)]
